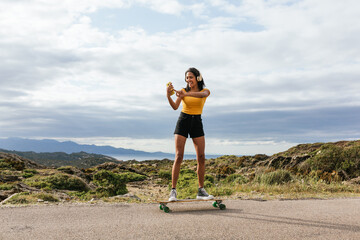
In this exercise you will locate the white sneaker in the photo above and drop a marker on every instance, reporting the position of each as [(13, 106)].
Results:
[(202, 194), (173, 194)]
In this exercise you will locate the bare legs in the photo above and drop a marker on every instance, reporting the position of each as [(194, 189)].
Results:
[(199, 144), (179, 156)]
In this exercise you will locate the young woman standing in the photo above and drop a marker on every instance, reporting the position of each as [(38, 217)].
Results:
[(193, 98)]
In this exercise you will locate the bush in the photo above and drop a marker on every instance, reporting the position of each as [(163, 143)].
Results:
[(132, 177), (110, 184), (12, 164), (274, 178), (4, 165), (328, 158), (29, 173), (332, 158), (225, 170), (209, 178), (165, 175), (6, 186), (67, 169), (221, 191), (57, 181), (236, 179), (47, 197), (187, 184), (27, 197)]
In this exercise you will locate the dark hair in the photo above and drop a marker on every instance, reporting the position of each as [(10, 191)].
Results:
[(201, 84)]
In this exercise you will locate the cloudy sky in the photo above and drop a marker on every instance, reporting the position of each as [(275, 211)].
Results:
[(280, 72)]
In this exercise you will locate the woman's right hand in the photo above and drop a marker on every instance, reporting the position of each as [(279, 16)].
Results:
[(170, 90)]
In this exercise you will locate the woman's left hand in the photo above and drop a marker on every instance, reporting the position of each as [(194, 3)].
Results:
[(180, 94)]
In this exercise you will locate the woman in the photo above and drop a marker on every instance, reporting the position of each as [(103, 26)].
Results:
[(193, 98)]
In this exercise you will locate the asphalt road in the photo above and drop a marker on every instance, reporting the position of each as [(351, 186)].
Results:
[(243, 219)]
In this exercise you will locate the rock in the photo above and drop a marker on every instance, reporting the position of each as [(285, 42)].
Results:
[(354, 181), (127, 195), (8, 198), (8, 178), (22, 187)]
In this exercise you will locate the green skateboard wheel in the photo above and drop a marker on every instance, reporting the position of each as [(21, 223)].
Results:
[(215, 204), (161, 207), (166, 209), (222, 206)]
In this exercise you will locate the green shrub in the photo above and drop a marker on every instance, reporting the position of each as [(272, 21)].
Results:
[(85, 196), (29, 173), (209, 178), (332, 158), (67, 169), (57, 181), (6, 186), (225, 170), (110, 184), (165, 175), (187, 185), (221, 191), (236, 179), (327, 159), (351, 163), (46, 197), (12, 164), (4, 165), (209, 181), (132, 177), (274, 178), (27, 197)]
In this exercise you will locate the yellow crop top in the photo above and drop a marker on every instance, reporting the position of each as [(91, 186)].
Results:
[(193, 105)]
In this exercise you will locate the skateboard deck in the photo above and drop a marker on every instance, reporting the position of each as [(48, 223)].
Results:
[(216, 203)]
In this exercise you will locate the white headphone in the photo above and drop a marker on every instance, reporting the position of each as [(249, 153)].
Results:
[(199, 78)]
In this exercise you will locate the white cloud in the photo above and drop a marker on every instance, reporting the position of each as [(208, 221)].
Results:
[(54, 57)]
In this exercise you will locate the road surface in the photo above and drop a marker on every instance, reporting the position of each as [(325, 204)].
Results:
[(243, 219)]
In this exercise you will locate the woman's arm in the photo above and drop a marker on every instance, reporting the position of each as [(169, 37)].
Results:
[(202, 94)]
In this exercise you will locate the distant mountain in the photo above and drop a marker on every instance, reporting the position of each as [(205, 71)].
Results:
[(49, 145), (58, 159)]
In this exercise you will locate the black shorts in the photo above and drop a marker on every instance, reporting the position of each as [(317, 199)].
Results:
[(189, 124)]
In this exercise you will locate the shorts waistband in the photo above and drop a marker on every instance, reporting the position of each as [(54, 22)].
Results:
[(190, 115)]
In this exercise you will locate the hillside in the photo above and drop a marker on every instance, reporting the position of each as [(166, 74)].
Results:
[(316, 170), (58, 159), (50, 145)]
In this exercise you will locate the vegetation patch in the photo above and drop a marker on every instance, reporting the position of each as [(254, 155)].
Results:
[(57, 181), (236, 179), (109, 183), (332, 159), (12, 164), (6, 186), (31, 198), (166, 175), (27, 173), (187, 186), (277, 177), (317, 170), (132, 177)]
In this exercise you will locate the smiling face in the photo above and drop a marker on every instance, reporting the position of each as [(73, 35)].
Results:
[(191, 80)]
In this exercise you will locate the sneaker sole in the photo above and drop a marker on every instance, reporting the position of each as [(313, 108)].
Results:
[(204, 198)]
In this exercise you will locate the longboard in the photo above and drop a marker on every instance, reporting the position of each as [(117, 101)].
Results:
[(217, 203)]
